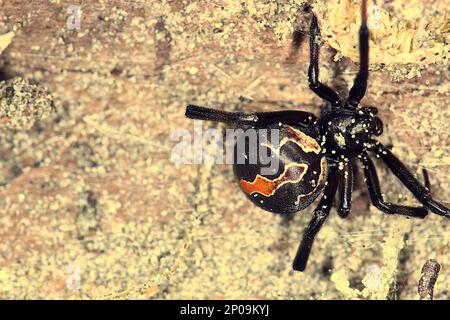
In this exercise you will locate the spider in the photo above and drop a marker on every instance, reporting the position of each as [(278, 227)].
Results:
[(317, 155)]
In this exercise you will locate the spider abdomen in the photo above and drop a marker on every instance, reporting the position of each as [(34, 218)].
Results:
[(294, 176)]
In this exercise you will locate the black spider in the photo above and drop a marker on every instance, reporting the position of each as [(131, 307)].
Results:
[(318, 155)]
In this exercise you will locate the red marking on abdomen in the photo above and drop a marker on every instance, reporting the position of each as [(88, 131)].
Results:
[(294, 172)]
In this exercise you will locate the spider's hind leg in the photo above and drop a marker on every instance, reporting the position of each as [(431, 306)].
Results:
[(290, 117), (406, 177), (376, 196)]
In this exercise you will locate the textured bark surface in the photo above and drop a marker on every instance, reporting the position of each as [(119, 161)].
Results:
[(91, 205)]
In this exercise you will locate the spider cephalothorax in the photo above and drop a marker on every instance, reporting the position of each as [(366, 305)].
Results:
[(318, 155), (346, 133)]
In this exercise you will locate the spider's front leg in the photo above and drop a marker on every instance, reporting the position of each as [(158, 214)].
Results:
[(323, 91), (417, 189), (259, 119), (346, 184), (376, 196), (320, 215), (359, 87)]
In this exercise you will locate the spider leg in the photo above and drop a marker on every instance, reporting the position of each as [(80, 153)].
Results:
[(345, 190), (319, 217), (373, 185), (426, 179), (323, 91), (358, 90), (290, 117), (417, 189)]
